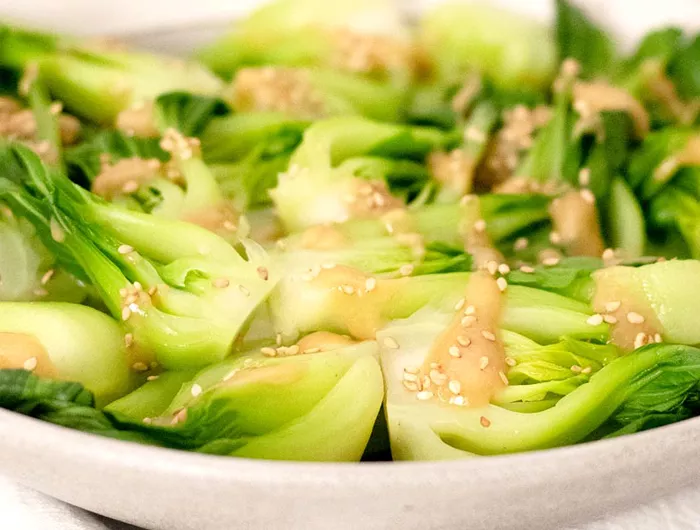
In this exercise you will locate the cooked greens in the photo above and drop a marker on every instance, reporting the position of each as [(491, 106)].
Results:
[(470, 236)]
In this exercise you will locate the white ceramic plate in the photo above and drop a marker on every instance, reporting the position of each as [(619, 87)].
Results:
[(170, 490)]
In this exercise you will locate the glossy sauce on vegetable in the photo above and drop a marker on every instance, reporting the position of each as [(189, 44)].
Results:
[(23, 351), (575, 220)]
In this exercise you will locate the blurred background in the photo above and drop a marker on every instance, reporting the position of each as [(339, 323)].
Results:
[(178, 25)]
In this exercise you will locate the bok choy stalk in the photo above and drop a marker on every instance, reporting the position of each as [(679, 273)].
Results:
[(183, 292), (508, 48), (96, 81), (67, 342), (339, 193), (366, 37), (464, 383), (302, 406)]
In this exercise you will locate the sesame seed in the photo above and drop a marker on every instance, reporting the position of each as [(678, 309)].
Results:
[(269, 352), (503, 268), (612, 306), (125, 249), (488, 335), (635, 318), (410, 377), (484, 421), (657, 337), (153, 290), (411, 369), (312, 350), (610, 319), (468, 321), (483, 362), (608, 254), (555, 238), (278, 339), (459, 305), (510, 361), (128, 339), (492, 267), (231, 374), (480, 225), (424, 395), (640, 340), (454, 386), (413, 386), (243, 289), (503, 377), (231, 227), (457, 400), (220, 283), (586, 370), (347, 289), (263, 273), (152, 377), (550, 262), (30, 364), (47, 276), (502, 283), (370, 284), (527, 269), (293, 349), (521, 243), (406, 270), (148, 421), (454, 351), (587, 195), (123, 292), (140, 367), (126, 313), (40, 291), (584, 176), (595, 320), (464, 341), (576, 368), (390, 342), (470, 310), (196, 390)]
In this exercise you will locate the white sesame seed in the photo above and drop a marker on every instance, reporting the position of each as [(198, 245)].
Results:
[(640, 340), (231, 374), (587, 195), (613, 306), (608, 254), (457, 400), (454, 351), (424, 395), (470, 310), (269, 352), (584, 176), (595, 320), (502, 283), (153, 290), (657, 337), (406, 270), (47, 276), (370, 284), (488, 335), (125, 249), (503, 268), (152, 378), (123, 292), (550, 262), (128, 339), (220, 283), (521, 243), (503, 377), (126, 313), (609, 319), (411, 385), (410, 377), (460, 304), (483, 362), (555, 238), (468, 321), (411, 369), (147, 421), (464, 341), (454, 386), (30, 364), (510, 361), (391, 343), (347, 289), (480, 225), (492, 267), (586, 370), (527, 269), (635, 318), (196, 390), (576, 368), (140, 367)]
